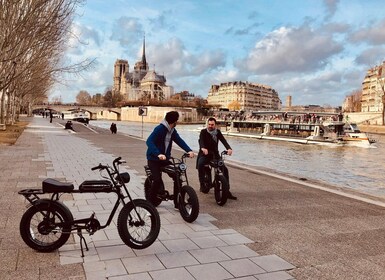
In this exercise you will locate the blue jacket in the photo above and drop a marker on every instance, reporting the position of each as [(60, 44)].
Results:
[(156, 146)]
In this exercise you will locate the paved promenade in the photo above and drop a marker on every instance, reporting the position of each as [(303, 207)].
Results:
[(200, 250), (279, 228)]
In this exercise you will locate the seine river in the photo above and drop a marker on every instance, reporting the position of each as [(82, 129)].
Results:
[(357, 168)]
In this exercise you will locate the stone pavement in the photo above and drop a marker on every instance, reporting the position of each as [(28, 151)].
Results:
[(199, 250)]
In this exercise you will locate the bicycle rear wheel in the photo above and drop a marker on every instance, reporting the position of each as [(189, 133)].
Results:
[(46, 225), (138, 224), (221, 189), (188, 204)]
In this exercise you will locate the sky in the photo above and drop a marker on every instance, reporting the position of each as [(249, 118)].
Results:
[(317, 51)]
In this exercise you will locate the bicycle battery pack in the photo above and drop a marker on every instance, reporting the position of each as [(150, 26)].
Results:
[(96, 186)]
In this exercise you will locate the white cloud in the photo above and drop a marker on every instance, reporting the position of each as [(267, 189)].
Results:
[(174, 60), (290, 50), (373, 34)]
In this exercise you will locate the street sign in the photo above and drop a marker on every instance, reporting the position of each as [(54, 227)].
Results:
[(142, 111)]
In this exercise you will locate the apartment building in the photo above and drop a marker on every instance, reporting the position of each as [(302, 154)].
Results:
[(247, 96), (373, 89)]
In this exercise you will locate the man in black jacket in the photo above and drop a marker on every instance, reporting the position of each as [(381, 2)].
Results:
[(208, 148)]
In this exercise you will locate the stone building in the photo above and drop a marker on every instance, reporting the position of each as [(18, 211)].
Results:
[(373, 89), (249, 96), (141, 83)]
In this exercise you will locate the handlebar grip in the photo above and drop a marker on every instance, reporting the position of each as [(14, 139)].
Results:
[(96, 167), (117, 159)]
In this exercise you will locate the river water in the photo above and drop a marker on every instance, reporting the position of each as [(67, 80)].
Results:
[(362, 169)]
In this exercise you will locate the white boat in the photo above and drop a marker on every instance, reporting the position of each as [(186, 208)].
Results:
[(77, 115), (337, 133)]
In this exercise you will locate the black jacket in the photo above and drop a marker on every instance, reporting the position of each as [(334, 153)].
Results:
[(206, 141)]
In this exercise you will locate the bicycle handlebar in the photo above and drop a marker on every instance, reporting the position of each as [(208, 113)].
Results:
[(116, 161), (100, 166)]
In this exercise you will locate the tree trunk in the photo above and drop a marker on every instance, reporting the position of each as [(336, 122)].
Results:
[(2, 111)]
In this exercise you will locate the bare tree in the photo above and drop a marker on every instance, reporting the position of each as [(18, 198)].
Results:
[(352, 102), (83, 98), (33, 36)]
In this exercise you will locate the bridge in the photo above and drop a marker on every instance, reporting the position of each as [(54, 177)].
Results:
[(92, 110)]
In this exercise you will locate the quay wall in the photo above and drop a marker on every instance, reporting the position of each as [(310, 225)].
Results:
[(366, 118), (153, 114)]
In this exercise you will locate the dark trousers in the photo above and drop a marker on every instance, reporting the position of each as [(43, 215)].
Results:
[(202, 161), (156, 176)]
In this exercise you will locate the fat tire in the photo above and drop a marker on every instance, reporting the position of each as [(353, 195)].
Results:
[(41, 236), (147, 193), (206, 186), (221, 190), (188, 204), (138, 236)]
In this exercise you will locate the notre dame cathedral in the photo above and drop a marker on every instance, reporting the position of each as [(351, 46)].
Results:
[(141, 83)]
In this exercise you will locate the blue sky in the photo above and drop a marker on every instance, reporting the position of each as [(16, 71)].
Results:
[(317, 51)]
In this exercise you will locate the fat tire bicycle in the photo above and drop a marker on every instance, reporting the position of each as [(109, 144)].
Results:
[(47, 223), (184, 196), (214, 178)]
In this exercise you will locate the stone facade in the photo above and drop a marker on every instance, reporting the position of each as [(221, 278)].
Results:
[(249, 96), (141, 83), (373, 89)]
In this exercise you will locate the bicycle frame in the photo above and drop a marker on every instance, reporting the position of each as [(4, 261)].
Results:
[(115, 183), (218, 164)]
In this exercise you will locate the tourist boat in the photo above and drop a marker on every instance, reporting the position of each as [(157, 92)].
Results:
[(332, 131), (77, 115)]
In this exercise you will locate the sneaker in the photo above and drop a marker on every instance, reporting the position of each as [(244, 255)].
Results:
[(230, 196)]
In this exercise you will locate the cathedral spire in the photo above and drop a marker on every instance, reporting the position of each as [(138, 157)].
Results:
[(144, 62)]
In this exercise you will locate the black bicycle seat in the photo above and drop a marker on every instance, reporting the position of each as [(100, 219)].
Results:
[(51, 186)]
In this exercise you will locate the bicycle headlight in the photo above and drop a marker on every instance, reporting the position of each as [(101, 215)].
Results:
[(220, 163), (182, 167)]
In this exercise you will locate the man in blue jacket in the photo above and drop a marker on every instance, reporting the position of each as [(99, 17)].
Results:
[(159, 145)]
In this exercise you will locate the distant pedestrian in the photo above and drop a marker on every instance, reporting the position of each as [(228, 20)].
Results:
[(62, 116), (113, 128), (50, 116)]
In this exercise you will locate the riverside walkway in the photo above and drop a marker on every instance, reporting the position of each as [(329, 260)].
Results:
[(279, 228), (199, 250)]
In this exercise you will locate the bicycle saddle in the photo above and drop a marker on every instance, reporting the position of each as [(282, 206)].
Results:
[(51, 186)]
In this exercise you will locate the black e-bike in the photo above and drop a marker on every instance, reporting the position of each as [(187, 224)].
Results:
[(184, 196), (47, 223), (215, 178)]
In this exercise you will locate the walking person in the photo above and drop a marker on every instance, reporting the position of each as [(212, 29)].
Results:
[(208, 149), (113, 128), (159, 145)]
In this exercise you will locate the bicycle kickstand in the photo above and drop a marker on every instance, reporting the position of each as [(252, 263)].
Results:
[(82, 240)]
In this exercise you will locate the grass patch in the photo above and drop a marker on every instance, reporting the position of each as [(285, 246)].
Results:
[(12, 133)]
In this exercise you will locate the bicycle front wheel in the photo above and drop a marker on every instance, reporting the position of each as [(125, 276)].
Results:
[(221, 189), (188, 204), (46, 225), (138, 224)]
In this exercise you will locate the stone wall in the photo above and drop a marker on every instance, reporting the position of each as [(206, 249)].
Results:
[(154, 114), (369, 118)]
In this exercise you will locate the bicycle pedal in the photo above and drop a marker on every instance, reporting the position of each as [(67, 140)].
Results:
[(163, 196)]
